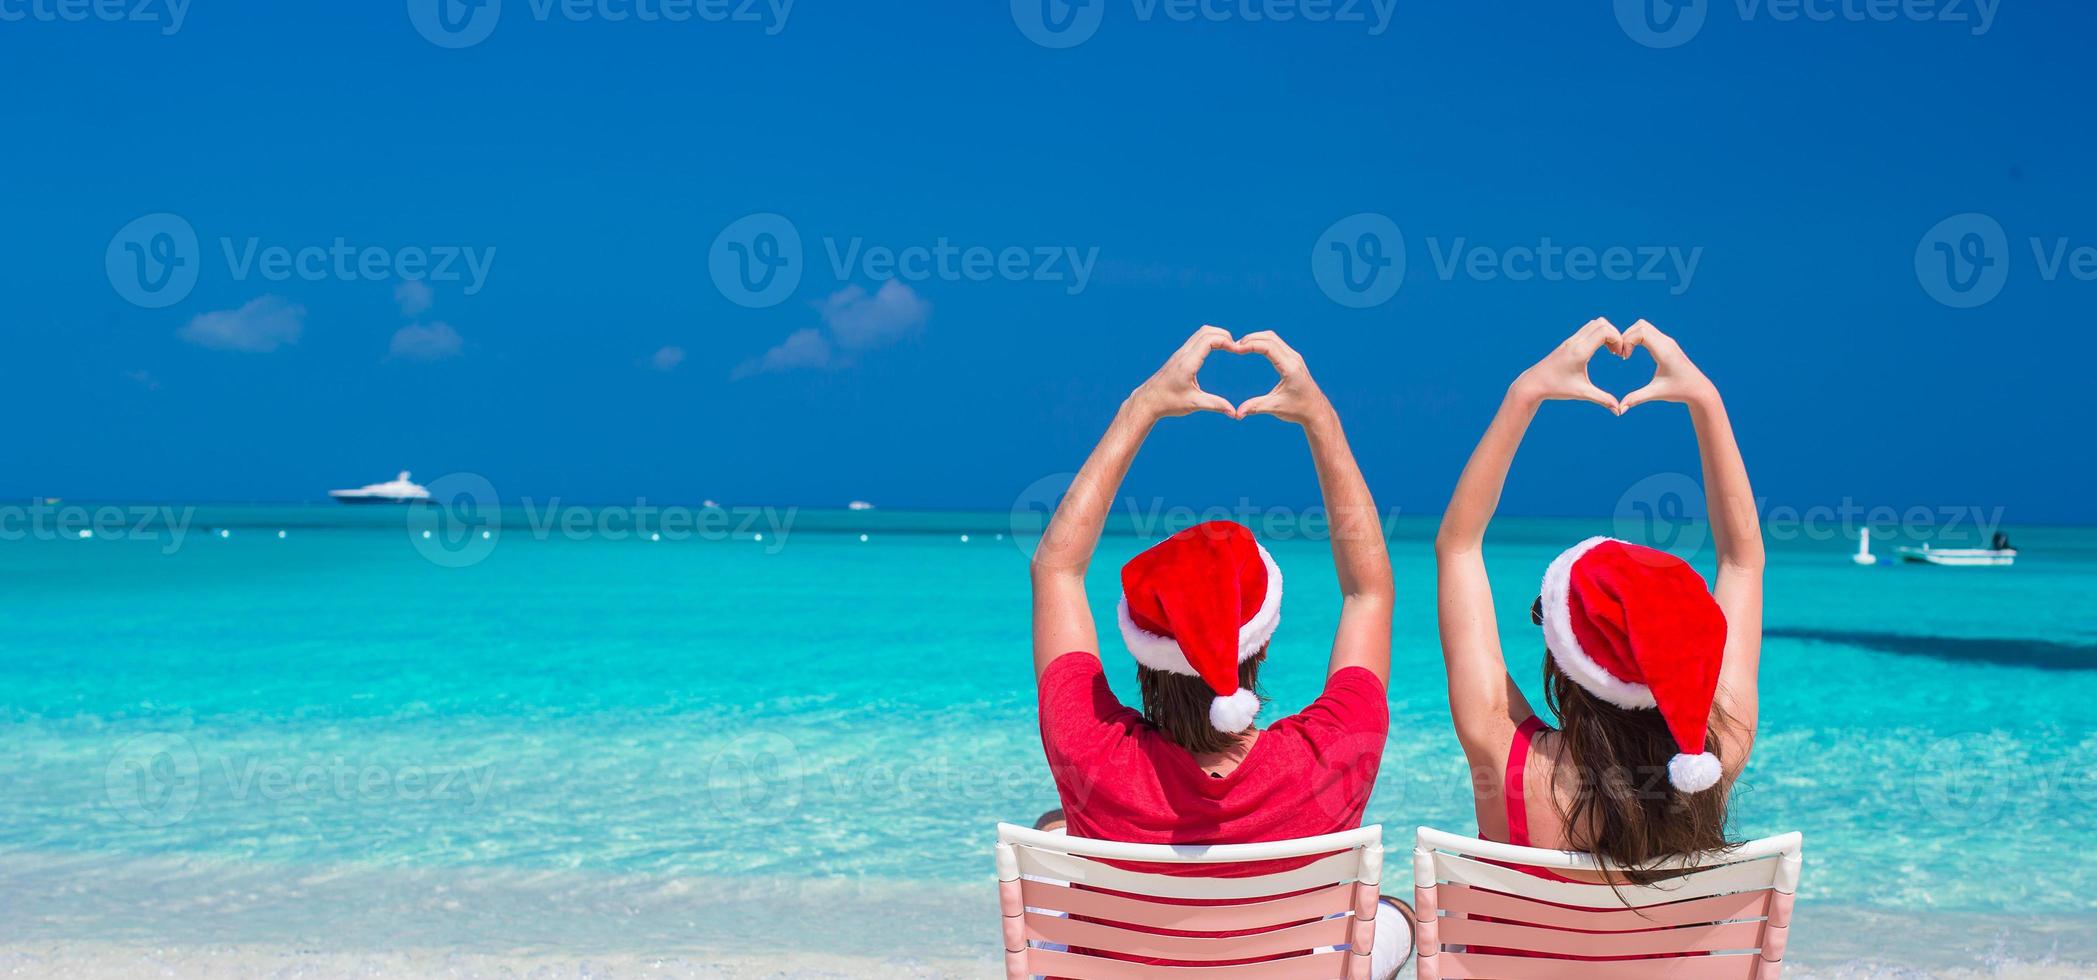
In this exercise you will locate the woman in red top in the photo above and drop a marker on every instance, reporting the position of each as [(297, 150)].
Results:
[(1653, 679), (1193, 766)]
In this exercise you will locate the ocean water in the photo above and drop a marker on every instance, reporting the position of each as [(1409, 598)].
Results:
[(353, 737)]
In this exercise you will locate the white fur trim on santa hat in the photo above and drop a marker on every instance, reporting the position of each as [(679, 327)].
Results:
[(1694, 773), (1163, 652), (1565, 648), (1233, 713)]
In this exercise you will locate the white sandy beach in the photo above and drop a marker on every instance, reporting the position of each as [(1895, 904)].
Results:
[(95, 918)]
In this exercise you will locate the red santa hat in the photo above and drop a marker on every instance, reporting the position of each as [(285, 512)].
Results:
[(1637, 628), (1198, 604)]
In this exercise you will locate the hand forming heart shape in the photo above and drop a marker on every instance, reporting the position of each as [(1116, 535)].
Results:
[(1175, 389), (1562, 374)]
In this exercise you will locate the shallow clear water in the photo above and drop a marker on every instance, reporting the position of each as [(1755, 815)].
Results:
[(584, 724)]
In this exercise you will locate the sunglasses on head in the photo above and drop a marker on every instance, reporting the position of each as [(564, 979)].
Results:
[(1536, 611)]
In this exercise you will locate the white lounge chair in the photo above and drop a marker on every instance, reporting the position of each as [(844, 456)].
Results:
[(1728, 918), (1324, 911)]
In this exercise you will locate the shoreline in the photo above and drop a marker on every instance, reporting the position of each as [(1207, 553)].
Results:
[(90, 917)]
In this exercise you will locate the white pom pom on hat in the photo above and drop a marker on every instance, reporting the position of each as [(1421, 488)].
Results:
[(1234, 713), (1694, 773)]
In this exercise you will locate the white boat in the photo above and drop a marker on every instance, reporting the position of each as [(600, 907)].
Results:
[(399, 490), (859, 505), (1963, 557)]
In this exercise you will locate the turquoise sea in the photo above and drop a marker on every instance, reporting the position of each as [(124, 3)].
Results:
[(575, 737)]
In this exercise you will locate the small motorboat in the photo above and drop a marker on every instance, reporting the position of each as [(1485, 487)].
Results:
[(1962, 557), (399, 490), (859, 505)]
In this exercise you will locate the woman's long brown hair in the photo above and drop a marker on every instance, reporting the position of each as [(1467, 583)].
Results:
[(1623, 809)]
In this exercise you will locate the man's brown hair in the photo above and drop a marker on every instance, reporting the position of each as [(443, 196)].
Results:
[(1178, 704)]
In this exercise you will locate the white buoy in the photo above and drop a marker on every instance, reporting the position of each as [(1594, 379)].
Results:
[(485, 535), (224, 533), (425, 535), (757, 537), (281, 535), (655, 537), (86, 534), (862, 538), (1863, 555), (964, 539)]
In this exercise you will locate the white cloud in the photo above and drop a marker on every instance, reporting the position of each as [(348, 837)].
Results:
[(419, 342), (414, 296), (805, 348), (857, 321), (862, 322), (667, 359), (263, 325)]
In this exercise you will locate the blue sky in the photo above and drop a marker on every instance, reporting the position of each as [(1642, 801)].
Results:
[(558, 183)]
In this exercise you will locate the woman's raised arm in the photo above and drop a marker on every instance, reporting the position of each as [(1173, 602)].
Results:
[(1736, 529), (1359, 553), (1484, 702), (1062, 617)]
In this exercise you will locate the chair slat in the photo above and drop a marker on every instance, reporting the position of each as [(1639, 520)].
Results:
[(1331, 870), (1076, 966), (1726, 967), (1717, 908), (1214, 918), (1536, 939), (1113, 939), (1722, 880)]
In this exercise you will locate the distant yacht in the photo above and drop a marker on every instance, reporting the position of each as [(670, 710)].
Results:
[(859, 505), (399, 490), (2000, 554)]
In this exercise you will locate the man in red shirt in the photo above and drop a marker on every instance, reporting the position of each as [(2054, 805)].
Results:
[(1197, 612)]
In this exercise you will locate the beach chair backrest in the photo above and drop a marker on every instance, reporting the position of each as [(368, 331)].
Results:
[(1070, 913), (1728, 914)]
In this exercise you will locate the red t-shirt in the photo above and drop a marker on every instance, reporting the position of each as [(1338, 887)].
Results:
[(1121, 779)]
